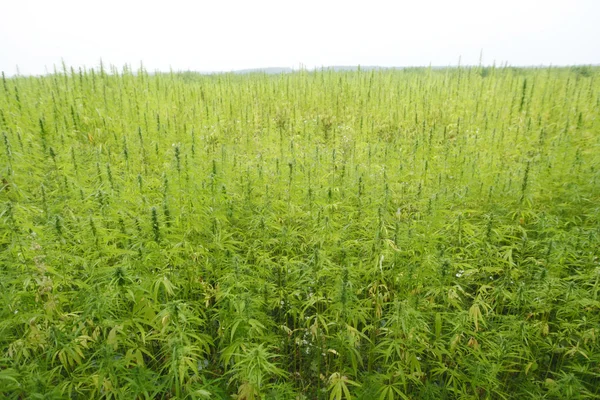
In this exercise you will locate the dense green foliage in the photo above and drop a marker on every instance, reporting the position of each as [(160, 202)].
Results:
[(413, 234)]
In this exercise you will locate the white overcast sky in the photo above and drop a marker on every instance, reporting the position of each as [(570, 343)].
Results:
[(223, 35)]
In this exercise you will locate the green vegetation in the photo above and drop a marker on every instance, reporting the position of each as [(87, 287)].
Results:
[(408, 234)]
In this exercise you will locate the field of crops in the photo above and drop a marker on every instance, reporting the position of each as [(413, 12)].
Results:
[(407, 234)]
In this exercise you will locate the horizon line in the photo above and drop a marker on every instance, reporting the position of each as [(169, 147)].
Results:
[(111, 68)]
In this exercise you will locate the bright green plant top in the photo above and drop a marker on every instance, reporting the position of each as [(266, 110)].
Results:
[(411, 234)]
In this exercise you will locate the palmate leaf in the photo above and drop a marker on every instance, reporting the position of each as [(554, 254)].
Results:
[(338, 386), (71, 354), (232, 352), (247, 391), (390, 349), (163, 286), (392, 392), (475, 315)]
